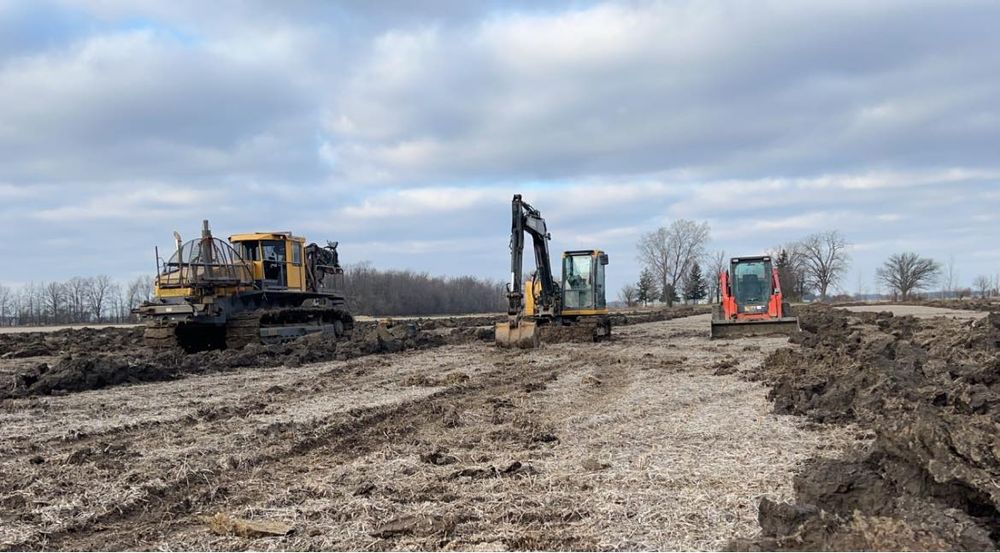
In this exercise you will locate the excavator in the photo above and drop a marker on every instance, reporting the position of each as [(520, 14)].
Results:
[(574, 309), (264, 287), (752, 303)]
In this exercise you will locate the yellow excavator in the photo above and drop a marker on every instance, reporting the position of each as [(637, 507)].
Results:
[(265, 287), (574, 309)]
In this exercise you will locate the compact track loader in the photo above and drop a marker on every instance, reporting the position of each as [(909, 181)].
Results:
[(752, 303)]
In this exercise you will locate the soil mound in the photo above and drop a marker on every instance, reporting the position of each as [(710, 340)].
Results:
[(88, 370), (19, 345), (929, 391), (88, 358)]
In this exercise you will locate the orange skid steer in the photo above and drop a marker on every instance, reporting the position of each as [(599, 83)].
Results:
[(752, 304)]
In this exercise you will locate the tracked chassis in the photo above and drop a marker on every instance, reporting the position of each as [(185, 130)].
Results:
[(529, 333), (270, 317)]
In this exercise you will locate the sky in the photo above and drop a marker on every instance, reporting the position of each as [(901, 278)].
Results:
[(402, 129)]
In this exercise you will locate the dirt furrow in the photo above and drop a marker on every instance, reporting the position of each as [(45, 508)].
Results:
[(646, 441)]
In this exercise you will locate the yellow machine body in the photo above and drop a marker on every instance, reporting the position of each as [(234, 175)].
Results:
[(583, 287), (256, 288), (582, 298)]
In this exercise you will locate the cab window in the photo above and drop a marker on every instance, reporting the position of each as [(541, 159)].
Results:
[(250, 251), (274, 250), (578, 290), (296, 253)]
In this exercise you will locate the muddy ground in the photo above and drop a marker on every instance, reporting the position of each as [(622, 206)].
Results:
[(928, 391), (72, 360), (652, 440)]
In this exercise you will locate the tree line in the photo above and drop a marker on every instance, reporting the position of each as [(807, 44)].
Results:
[(98, 299), (401, 292), (811, 268), (370, 291)]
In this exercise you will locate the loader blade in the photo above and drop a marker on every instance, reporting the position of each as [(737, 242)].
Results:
[(785, 326), (524, 335)]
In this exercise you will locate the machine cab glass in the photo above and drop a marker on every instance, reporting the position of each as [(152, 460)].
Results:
[(583, 280), (751, 282), (275, 259)]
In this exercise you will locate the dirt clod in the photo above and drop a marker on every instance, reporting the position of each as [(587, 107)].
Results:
[(417, 525), (929, 390), (223, 524)]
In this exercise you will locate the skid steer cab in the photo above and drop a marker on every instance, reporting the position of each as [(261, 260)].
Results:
[(752, 303)]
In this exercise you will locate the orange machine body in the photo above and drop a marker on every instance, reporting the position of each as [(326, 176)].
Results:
[(730, 309)]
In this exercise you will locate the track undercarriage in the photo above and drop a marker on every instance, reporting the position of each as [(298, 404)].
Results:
[(255, 319), (529, 333)]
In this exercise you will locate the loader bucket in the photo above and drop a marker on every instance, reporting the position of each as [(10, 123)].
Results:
[(524, 335), (785, 326)]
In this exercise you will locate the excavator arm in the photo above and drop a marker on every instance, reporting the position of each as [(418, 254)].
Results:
[(518, 331), (526, 219)]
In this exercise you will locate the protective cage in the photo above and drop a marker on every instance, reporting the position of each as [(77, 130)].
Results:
[(204, 262)]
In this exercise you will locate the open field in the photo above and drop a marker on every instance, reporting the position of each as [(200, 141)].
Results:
[(633, 443), (920, 311), (425, 436)]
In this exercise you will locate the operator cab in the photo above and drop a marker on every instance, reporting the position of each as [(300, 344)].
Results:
[(583, 288), (275, 259), (751, 283)]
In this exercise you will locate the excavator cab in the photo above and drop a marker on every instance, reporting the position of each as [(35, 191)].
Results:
[(583, 286), (752, 302)]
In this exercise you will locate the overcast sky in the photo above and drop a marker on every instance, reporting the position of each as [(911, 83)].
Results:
[(403, 133)]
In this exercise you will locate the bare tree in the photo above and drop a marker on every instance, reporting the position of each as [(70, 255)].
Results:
[(669, 251), (117, 303), (792, 272), (906, 272), (950, 277), (628, 294), (6, 305), (55, 294), (825, 260), (76, 298), (716, 264), (983, 284), (139, 289), (98, 290)]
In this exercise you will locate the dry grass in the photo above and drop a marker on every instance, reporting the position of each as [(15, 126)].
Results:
[(632, 444)]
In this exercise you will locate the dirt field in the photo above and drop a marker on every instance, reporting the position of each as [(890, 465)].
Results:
[(920, 311), (651, 441), (928, 390)]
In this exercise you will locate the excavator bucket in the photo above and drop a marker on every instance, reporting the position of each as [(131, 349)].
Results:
[(785, 326), (524, 335)]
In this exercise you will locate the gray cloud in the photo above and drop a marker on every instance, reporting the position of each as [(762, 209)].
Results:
[(402, 132)]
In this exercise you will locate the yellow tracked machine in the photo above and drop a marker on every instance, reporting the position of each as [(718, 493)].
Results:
[(265, 287), (543, 309)]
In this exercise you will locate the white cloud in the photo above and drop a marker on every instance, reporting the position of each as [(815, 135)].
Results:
[(404, 131)]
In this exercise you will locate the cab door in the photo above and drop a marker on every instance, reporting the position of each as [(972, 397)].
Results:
[(296, 273), (274, 260)]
